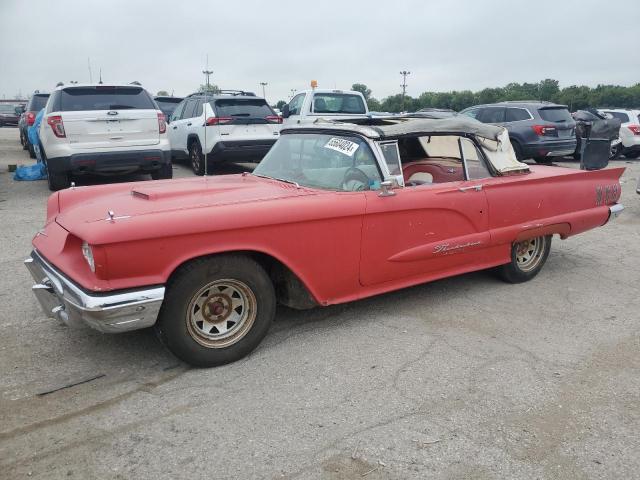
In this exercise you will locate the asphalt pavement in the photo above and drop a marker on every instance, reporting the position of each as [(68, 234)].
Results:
[(465, 378)]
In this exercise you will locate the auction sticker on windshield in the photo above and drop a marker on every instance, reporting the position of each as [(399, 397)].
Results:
[(343, 146)]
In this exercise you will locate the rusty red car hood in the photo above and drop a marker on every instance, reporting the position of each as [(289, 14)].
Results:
[(93, 206)]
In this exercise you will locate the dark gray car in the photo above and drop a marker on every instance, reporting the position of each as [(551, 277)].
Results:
[(538, 130)]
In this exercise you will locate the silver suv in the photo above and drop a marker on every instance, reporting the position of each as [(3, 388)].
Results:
[(538, 130)]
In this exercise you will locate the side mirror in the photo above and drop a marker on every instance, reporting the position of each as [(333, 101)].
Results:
[(387, 188), (285, 111)]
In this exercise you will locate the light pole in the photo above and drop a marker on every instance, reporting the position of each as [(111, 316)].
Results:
[(293, 92), (404, 74), (264, 84), (208, 73)]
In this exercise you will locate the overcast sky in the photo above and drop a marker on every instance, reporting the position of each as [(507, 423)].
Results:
[(447, 45)]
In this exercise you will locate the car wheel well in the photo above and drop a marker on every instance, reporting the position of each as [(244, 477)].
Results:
[(290, 290), (191, 139)]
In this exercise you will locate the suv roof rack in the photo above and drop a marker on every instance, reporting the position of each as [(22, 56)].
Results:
[(528, 101), (233, 93)]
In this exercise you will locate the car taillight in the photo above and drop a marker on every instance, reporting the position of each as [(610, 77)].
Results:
[(162, 123), (55, 122), (218, 120), (634, 128), (273, 118), (542, 130), (31, 117)]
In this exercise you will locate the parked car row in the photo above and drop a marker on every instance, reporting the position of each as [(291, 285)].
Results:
[(10, 114)]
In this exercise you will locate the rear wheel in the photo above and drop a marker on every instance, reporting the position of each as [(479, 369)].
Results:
[(163, 173), (517, 149), (543, 160), (32, 151), (23, 141), (615, 151), (527, 259), (216, 310), (196, 158)]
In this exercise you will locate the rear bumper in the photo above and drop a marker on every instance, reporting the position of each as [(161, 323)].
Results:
[(250, 150), (615, 211), (550, 148), (116, 312), (110, 162)]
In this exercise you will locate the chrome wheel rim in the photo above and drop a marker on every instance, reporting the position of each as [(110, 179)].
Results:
[(195, 158), (529, 253), (221, 313)]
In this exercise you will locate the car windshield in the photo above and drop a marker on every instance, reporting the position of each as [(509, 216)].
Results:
[(338, 103), (104, 98), (328, 162), (167, 107)]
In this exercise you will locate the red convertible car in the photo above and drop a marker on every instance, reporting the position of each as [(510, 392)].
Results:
[(335, 212)]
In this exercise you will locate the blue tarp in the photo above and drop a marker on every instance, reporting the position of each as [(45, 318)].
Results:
[(37, 171)]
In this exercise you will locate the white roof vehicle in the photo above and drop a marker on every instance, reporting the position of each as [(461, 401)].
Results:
[(629, 129), (229, 125), (103, 129)]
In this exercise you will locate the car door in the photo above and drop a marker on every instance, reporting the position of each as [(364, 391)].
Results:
[(177, 136), (425, 231)]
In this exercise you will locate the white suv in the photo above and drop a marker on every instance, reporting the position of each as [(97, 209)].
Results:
[(629, 129), (230, 125), (103, 129)]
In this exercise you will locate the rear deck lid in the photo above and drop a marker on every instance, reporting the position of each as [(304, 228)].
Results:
[(105, 116), (560, 118)]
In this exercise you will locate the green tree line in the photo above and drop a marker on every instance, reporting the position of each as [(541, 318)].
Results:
[(576, 97)]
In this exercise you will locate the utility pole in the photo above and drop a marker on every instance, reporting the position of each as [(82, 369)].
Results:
[(293, 92), (264, 84), (404, 74)]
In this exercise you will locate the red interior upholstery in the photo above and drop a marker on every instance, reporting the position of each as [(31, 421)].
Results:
[(440, 171)]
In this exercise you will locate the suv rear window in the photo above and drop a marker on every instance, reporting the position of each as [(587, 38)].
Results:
[(37, 102), (236, 107), (338, 103), (559, 114), (105, 98)]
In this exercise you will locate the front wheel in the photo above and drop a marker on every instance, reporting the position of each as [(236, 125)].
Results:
[(527, 259), (216, 310), (196, 158)]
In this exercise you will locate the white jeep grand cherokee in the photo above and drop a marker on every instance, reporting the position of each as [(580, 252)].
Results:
[(103, 129)]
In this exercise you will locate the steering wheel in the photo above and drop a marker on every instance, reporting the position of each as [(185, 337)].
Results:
[(355, 180)]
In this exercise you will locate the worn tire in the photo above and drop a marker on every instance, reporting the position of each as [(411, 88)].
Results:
[(517, 270), (163, 173), (180, 326), (196, 158)]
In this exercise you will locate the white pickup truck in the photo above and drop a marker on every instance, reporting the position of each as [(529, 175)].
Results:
[(309, 105)]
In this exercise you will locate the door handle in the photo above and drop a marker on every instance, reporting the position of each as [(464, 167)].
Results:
[(189, 124), (477, 188), (175, 128)]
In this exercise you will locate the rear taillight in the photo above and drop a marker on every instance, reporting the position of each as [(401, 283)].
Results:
[(634, 128), (55, 122), (218, 120), (31, 117), (162, 123), (542, 130), (273, 118)]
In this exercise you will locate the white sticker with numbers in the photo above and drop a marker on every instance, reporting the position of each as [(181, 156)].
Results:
[(343, 146)]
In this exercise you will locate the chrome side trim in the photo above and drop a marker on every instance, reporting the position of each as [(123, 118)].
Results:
[(614, 211), (60, 298)]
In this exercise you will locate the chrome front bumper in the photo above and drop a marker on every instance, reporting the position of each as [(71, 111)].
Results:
[(59, 297)]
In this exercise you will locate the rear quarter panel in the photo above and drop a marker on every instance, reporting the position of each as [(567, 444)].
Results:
[(550, 200)]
